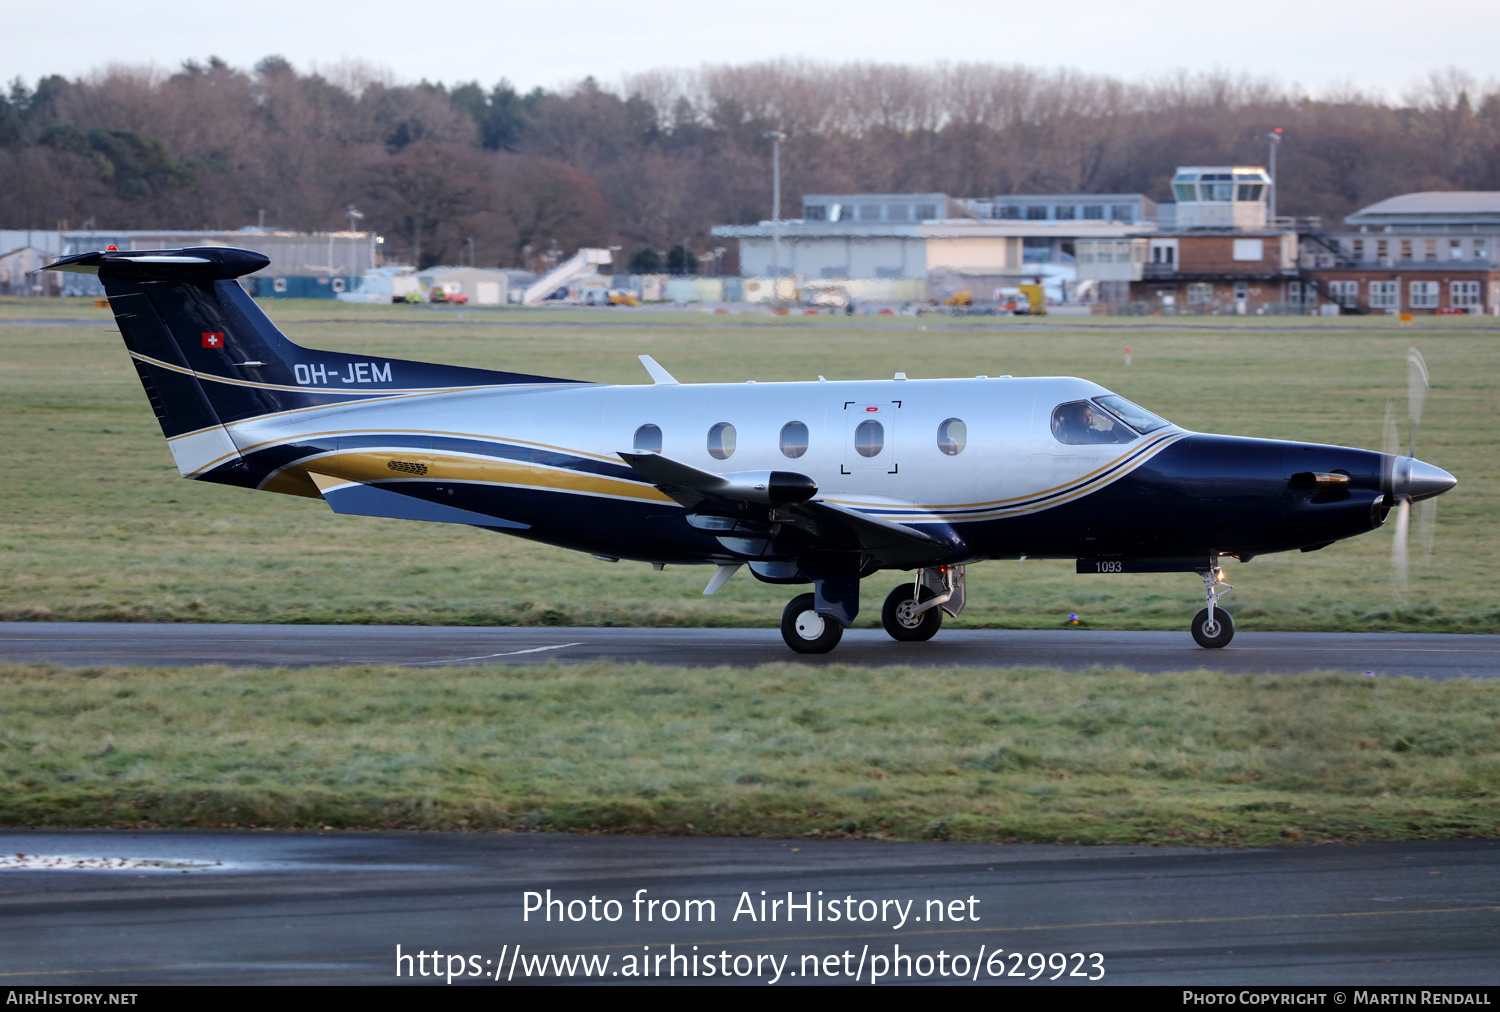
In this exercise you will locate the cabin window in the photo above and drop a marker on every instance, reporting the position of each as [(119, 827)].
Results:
[(793, 439), (869, 438), (648, 439), (953, 436), (721, 441), (1081, 422)]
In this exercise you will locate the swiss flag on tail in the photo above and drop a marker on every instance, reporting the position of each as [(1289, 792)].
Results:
[(213, 339)]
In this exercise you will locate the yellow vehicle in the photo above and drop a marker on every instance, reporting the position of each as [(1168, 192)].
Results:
[(1036, 299), (960, 298)]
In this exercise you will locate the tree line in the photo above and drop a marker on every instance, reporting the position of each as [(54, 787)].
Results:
[(494, 176)]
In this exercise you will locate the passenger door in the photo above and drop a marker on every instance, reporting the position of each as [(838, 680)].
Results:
[(870, 436)]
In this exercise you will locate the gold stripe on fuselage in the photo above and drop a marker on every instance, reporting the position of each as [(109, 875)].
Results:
[(373, 465)]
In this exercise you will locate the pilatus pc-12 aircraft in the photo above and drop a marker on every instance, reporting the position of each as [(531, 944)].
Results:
[(821, 483)]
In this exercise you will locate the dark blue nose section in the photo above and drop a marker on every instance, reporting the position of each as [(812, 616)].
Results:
[(1245, 496)]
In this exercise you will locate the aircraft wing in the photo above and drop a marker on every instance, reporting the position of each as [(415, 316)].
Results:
[(693, 487), (835, 528), (889, 543)]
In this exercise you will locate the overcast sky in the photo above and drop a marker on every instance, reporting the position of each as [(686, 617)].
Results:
[(1375, 45)]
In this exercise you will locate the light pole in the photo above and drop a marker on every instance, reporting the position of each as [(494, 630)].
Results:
[(776, 137), (1274, 139), (353, 216)]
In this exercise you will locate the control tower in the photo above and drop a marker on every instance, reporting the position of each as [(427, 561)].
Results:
[(1221, 196)]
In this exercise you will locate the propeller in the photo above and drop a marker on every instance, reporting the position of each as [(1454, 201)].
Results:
[(1413, 483)]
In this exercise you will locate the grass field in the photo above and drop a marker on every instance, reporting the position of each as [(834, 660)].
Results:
[(94, 523), (782, 750)]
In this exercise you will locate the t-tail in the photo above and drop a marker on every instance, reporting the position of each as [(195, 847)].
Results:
[(208, 357)]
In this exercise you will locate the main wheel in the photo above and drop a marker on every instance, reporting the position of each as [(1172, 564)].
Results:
[(1217, 635), (807, 632), (899, 621)]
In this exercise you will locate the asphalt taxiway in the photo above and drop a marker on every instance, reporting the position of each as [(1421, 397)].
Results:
[(331, 908), (1424, 655)]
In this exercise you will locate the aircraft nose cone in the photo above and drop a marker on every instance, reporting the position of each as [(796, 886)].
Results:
[(1417, 480)]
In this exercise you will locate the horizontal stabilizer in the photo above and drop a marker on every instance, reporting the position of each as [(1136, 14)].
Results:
[(355, 498), (198, 263)]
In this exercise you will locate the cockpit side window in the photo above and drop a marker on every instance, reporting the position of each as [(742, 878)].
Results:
[(1083, 422)]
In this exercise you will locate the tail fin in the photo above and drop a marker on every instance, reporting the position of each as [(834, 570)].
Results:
[(208, 357)]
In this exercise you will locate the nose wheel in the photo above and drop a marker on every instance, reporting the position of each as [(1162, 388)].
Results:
[(807, 632), (1213, 632), (1213, 627)]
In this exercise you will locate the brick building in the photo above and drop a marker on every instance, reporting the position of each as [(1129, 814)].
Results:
[(1216, 270), (1412, 288), (1416, 253)]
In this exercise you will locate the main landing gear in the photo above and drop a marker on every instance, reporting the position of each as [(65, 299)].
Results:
[(807, 632), (913, 612), (1213, 627)]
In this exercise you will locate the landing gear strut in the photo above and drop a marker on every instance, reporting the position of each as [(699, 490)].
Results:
[(1213, 627)]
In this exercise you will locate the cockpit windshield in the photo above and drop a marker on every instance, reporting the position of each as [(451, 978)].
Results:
[(1133, 415), (1102, 420)]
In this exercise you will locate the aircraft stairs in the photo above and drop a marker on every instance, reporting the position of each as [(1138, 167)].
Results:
[(585, 261)]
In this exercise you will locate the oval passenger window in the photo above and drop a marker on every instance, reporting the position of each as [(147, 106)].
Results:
[(953, 436), (648, 439), (721, 441), (794, 439), (869, 438)]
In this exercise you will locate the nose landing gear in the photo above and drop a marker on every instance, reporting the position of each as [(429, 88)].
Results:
[(1213, 627)]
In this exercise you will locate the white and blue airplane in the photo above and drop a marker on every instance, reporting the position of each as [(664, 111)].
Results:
[(820, 483)]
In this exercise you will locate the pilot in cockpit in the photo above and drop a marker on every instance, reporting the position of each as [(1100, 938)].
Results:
[(1081, 422)]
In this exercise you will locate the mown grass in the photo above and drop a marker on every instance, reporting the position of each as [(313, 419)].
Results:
[(781, 750), (95, 525)]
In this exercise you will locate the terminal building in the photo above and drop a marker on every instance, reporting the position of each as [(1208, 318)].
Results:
[(1128, 208), (916, 247)]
